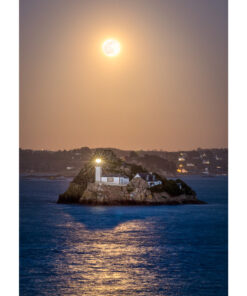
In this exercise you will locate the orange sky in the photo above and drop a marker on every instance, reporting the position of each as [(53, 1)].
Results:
[(167, 89)]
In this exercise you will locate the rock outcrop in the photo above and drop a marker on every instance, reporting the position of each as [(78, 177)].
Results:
[(83, 190), (135, 193)]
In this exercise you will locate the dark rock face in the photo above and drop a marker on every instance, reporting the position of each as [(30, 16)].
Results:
[(72, 194), (83, 190), (135, 193)]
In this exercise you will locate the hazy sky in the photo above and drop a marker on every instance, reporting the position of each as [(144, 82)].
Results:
[(167, 89)]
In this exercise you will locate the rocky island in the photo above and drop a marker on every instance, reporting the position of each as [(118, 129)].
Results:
[(115, 182)]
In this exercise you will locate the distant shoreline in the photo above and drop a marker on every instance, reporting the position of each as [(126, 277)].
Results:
[(167, 164), (69, 177), (47, 177)]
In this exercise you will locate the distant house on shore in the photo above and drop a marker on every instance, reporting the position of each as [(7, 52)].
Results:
[(150, 178)]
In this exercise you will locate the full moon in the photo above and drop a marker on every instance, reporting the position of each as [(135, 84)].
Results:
[(111, 47)]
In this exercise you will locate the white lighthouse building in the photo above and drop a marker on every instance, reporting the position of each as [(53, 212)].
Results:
[(98, 170), (109, 179)]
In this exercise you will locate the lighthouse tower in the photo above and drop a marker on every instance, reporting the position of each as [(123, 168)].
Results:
[(98, 170)]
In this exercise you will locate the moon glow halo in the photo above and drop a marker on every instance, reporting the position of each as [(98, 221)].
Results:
[(111, 47)]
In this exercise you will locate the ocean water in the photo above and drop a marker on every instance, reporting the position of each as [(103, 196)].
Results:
[(133, 250)]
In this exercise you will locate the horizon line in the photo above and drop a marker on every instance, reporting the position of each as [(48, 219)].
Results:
[(112, 148)]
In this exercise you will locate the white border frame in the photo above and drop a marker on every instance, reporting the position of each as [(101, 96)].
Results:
[(9, 154), (9, 116), (237, 147)]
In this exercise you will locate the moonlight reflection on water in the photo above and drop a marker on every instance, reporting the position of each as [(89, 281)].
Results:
[(140, 250), (120, 261)]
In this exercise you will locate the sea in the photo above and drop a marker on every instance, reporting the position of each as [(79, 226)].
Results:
[(123, 250)]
